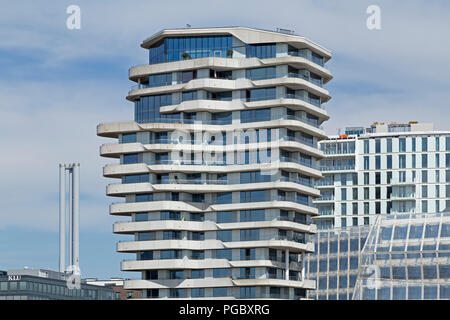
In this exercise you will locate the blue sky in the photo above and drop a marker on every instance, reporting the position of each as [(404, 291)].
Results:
[(57, 84)]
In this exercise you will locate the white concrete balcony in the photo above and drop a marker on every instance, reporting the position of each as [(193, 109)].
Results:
[(211, 244), (214, 282), (217, 85), (119, 170), (126, 209), (219, 63), (135, 246), (173, 264), (120, 190), (203, 226), (113, 130), (191, 264), (306, 284), (178, 283), (114, 150)]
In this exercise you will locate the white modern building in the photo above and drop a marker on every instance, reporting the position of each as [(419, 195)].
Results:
[(384, 169), (217, 170)]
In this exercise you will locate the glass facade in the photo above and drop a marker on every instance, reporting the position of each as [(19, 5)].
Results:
[(399, 257), (406, 257), (182, 48), (146, 109), (262, 51)]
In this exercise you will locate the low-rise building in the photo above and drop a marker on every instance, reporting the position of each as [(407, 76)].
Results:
[(39, 284)]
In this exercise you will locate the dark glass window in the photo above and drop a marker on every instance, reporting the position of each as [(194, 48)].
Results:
[(182, 48), (136, 178), (252, 215), (261, 73), (130, 158), (262, 51), (224, 235), (129, 137), (146, 109), (144, 197), (255, 115), (261, 94), (158, 80)]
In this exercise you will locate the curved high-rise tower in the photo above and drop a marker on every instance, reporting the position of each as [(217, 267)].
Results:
[(218, 169)]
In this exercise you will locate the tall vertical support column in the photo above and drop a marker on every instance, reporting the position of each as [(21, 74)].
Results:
[(76, 215), (62, 217), (71, 216)]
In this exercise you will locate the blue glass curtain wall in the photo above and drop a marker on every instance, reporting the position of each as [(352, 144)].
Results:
[(181, 48)]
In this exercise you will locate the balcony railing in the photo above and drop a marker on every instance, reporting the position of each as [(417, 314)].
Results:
[(302, 140), (317, 82), (325, 198), (314, 102), (332, 168), (318, 61)]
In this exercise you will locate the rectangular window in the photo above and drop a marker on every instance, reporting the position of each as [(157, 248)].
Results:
[(252, 215), (249, 234), (402, 145), (221, 272), (366, 163), (424, 176), (366, 146), (224, 197), (424, 160), (424, 144), (220, 292), (377, 177), (402, 161), (343, 209), (424, 191), (224, 235), (261, 73), (197, 292), (130, 158), (378, 193), (424, 206), (377, 146), (129, 137), (355, 193), (366, 193), (224, 216), (389, 162), (197, 274), (262, 51), (344, 194), (144, 197), (389, 145)]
